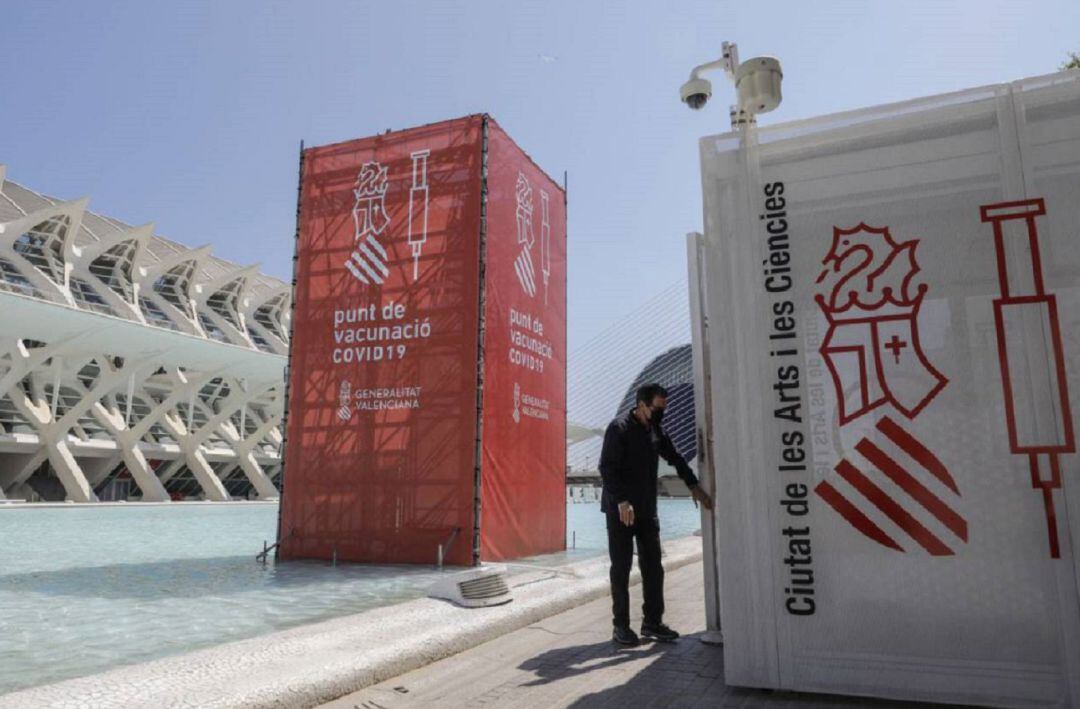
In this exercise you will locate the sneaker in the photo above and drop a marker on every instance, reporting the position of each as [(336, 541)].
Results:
[(625, 636), (659, 631)]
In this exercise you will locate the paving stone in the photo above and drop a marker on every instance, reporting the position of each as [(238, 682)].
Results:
[(568, 660)]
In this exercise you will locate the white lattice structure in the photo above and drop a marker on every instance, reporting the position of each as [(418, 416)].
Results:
[(132, 367)]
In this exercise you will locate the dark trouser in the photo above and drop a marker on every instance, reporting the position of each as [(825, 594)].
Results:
[(621, 548)]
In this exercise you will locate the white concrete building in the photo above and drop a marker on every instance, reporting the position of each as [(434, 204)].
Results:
[(132, 367)]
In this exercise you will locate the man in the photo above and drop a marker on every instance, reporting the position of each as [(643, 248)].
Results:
[(633, 444)]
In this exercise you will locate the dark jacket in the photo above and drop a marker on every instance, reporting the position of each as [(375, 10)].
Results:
[(629, 461)]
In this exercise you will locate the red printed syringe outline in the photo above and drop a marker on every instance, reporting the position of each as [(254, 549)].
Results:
[(418, 207), (545, 241), (1034, 375)]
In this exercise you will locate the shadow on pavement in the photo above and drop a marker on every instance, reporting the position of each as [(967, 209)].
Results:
[(683, 674), (565, 662)]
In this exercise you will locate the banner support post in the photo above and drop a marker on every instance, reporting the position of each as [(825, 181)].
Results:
[(288, 359), (482, 303)]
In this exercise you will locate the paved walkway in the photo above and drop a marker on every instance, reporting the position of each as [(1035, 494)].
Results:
[(568, 660)]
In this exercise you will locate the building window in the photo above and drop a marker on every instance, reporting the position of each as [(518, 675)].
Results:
[(88, 298), (114, 269), (226, 301), (212, 331), (13, 281), (43, 247), (173, 287), (269, 316), (259, 340), (156, 316)]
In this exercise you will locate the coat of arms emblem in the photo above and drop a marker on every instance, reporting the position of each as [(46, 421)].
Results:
[(874, 356)]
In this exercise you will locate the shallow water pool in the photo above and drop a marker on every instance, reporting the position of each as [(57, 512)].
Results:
[(86, 589)]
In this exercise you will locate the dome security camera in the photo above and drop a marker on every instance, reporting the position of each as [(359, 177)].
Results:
[(757, 84), (695, 93)]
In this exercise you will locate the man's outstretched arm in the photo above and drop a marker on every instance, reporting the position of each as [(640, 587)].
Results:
[(682, 468)]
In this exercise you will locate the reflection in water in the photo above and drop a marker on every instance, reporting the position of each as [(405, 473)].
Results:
[(196, 578)]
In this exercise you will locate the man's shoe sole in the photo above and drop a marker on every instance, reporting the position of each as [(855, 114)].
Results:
[(615, 640), (658, 638)]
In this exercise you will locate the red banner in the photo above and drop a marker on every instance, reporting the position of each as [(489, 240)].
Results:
[(524, 447), (382, 409), (382, 431)]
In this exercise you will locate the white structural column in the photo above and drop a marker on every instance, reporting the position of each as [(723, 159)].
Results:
[(220, 422), (128, 437), (187, 389), (195, 459), (111, 379), (40, 413), (67, 468), (245, 452), (134, 459)]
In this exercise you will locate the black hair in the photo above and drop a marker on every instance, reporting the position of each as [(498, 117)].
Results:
[(648, 392)]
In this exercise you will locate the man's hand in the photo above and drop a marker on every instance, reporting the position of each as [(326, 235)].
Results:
[(626, 513), (701, 496)]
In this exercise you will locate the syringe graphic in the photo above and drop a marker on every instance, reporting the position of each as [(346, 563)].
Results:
[(1030, 353), (545, 241), (418, 208)]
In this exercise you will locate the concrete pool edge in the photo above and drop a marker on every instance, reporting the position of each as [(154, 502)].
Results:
[(315, 663), (179, 504)]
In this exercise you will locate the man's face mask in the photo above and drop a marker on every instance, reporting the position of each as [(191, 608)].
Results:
[(657, 414)]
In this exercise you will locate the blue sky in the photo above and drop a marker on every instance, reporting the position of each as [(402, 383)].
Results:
[(189, 114)]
